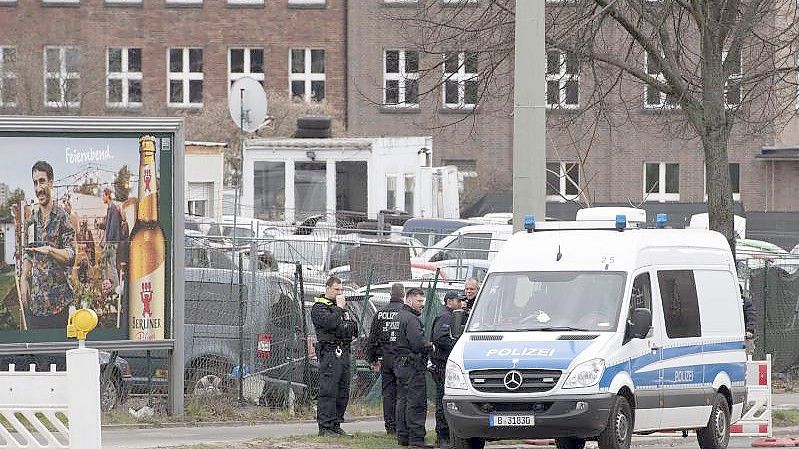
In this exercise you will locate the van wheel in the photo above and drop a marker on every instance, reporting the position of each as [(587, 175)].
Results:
[(570, 443), (716, 435), (619, 430), (457, 442)]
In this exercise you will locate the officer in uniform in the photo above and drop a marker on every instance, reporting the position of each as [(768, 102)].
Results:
[(412, 351), (443, 344), (335, 330), (380, 353)]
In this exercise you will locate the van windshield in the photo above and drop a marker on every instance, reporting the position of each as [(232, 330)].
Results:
[(549, 301)]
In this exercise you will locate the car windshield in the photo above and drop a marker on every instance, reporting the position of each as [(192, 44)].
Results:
[(240, 232), (305, 252), (549, 301)]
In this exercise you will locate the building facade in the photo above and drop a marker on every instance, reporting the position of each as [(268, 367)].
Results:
[(167, 58)]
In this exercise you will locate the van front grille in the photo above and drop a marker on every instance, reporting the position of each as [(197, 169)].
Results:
[(533, 380), (495, 337)]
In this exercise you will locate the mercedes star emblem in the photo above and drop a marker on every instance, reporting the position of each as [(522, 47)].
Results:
[(513, 380)]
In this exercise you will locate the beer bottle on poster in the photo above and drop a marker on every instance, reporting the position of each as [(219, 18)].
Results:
[(146, 254)]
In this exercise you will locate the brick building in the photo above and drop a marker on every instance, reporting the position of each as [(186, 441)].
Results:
[(647, 154), (167, 57)]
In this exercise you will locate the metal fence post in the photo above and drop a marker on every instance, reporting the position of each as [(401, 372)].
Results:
[(83, 398), (242, 311)]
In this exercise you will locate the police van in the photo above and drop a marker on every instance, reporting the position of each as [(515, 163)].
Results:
[(596, 330)]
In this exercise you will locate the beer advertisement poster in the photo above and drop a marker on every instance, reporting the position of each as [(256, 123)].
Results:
[(81, 229)]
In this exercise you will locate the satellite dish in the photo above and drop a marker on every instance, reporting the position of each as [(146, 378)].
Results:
[(247, 96)]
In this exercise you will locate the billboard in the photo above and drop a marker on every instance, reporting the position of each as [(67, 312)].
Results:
[(92, 216)]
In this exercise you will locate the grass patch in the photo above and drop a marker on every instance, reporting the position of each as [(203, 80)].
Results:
[(28, 425), (785, 418)]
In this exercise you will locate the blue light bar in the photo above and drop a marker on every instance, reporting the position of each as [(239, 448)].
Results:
[(529, 223), (661, 220), (621, 222)]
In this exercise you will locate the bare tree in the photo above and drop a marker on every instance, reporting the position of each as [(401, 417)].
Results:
[(719, 62)]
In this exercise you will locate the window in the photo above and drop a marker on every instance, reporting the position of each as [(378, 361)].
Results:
[(307, 74), (8, 76), (460, 80), (735, 181), (640, 297), (653, 97), (310, 189), (410, 187), (185, 77), (391, 192), (732, 87), (245, 62), (307, 3), (661, 181), (563, 181), (466, 246), (680, 304), (401, 78), (269, 186), (562, 80), (62, 77), (245, 2), (184, 2), (123, 86), (197, 207)]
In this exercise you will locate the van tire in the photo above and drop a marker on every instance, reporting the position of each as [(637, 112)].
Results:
[(716, 435), (570, 443), (619, 429), (457, 442)]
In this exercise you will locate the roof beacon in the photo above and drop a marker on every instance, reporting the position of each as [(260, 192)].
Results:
[(621, 222), (661, 220), (529, 223)]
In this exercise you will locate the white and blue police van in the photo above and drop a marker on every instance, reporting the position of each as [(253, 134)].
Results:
[(596, 330)]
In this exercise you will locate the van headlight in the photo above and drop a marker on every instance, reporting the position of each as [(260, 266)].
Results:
[(586, 374), (455, 378)]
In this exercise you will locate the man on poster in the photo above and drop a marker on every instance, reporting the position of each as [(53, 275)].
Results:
[(49, 253), (113, 236)]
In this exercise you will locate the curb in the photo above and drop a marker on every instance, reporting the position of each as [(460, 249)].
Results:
[(179, 424)]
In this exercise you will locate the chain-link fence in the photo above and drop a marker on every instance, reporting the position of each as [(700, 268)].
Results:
[(249, 339)]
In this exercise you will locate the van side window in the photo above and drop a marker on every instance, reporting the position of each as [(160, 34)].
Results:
[(680, 304), (469, 246), (641, 295)]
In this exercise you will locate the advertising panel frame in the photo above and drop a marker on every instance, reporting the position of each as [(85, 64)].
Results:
[(171, 128)]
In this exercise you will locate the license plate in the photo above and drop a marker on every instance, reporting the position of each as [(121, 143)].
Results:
[(510, 420), (161, 373)]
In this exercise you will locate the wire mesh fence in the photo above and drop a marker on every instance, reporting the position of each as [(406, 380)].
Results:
[(249, 338)]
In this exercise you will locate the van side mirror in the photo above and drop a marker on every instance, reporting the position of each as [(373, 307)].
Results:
[(640, 323), (458, 319)]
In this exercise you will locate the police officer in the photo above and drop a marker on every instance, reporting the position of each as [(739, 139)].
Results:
[(380, 353), (470, 289), (335, 330), (443, 343), (749, 321), (412, 352)]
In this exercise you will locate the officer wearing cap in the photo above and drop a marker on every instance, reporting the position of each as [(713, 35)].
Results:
[(380, 353), (335, 330), (412, 351), (443, 342)]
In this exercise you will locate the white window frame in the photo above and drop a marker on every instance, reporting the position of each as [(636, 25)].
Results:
[(663, 97), (125, 75), (6, 75), (61, 75), (400, 77), (461, 76), (563, 181), (184, 2), (389, 179), (660, 196), (733, 77), (185, 76), (245, 2), (562, 77), (736, 196), (307, 77), (257, 76), (307, 3), (405, 191)]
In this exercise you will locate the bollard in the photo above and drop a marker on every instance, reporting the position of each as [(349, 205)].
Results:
[(83, 398)]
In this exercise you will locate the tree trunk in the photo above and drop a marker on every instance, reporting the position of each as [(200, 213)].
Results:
[(715, 132)]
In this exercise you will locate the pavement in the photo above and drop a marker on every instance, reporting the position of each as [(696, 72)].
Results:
[(138, 437)]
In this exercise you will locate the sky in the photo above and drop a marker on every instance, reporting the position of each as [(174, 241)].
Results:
[(69, 157)]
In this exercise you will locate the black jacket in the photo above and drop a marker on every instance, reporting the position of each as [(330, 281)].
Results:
[(384, 330), (410, 339), (441, 337), (332, 323), (749, 315)]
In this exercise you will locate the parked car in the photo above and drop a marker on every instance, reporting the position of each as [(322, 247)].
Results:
[(114, 386), (267, 329)]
